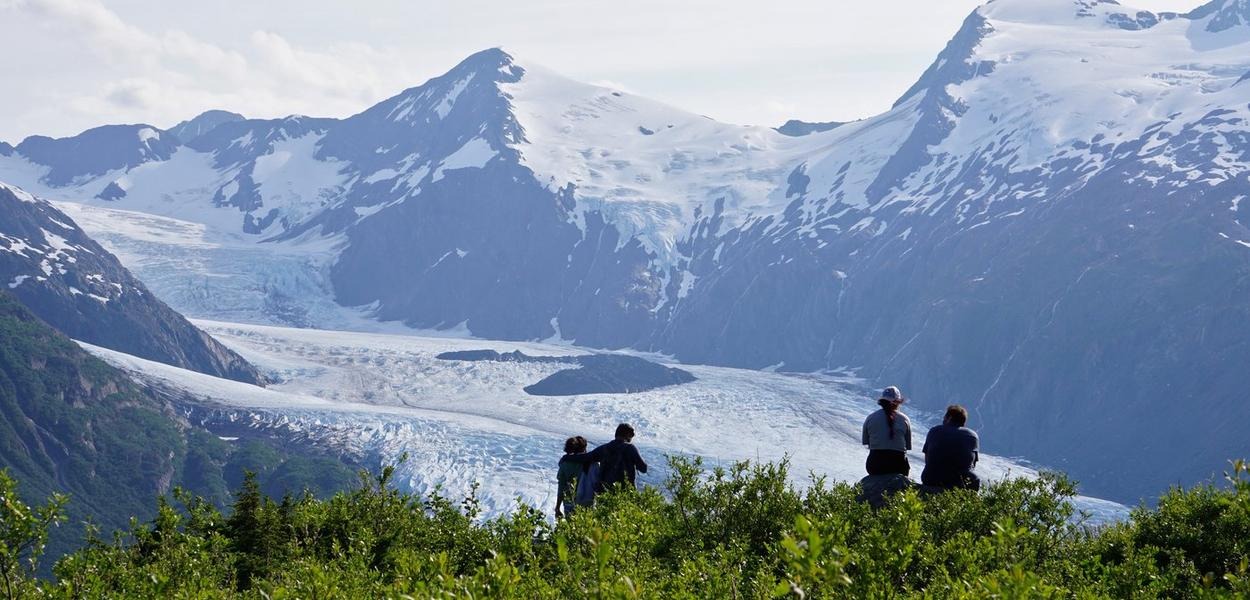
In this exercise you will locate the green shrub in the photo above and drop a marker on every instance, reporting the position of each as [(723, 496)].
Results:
[(739, 532)]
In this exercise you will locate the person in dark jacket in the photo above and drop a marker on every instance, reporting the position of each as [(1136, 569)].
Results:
[(619, 460), (950, 452), (567, 476)]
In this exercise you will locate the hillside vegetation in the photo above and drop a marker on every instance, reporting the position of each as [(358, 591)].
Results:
[(736, 533), (72, 424)]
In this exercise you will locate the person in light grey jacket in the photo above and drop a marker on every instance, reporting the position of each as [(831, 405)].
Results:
[(887, 433)]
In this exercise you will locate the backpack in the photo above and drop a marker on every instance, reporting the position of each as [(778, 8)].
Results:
[(585, 493)]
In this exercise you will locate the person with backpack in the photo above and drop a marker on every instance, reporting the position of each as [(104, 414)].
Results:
[(568, 476), (619, 460), (887, 433), (951, 451)]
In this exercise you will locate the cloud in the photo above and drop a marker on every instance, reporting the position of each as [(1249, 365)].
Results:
[(133, 93), (88, 62), (779, 107), (133, 74)]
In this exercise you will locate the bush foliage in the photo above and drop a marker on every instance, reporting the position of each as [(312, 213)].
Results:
[(72, 424), (741, 532)]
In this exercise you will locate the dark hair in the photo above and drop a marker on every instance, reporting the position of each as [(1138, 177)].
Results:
[(575, 445), (624, 431), (891, 408), (956, 415)]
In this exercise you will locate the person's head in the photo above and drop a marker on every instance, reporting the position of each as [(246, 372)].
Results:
[(890, 399), (575, 445), (625, 432), (956, 415)]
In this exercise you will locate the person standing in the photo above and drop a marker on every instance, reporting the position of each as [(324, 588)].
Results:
[(887, 433), (619, 460), (951, 451), (569, 472)]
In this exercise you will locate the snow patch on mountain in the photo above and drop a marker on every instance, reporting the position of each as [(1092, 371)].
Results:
[(648, 186), (148, 134), (294, 182), (474, 154)]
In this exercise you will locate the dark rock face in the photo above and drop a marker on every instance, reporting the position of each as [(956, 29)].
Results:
[(609, 374), (598, 373), (506, 276), (97, 151), (1225, 14), (75, 285), (112, 191), (797, 128)]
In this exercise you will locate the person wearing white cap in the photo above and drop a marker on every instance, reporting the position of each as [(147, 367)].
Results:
[(887, 433)]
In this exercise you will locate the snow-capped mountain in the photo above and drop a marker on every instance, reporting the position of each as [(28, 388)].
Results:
[(95, 151), (77, 287), (1047, 226)]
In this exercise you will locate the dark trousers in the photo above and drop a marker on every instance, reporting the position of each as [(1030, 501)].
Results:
[(887, 462), (951, 480)]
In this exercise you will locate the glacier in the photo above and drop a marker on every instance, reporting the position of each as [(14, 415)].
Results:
[(451, 426)]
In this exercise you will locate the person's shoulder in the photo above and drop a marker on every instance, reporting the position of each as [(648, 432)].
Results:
[(606, 448), (906, 419), (969, 432)]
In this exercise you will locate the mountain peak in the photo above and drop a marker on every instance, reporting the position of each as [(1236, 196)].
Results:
[(955, 63), (495, 62), (97, 151), (492, 56), (188, 130), (481, 71)]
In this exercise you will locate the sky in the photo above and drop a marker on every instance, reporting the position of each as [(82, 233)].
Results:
[(76, 64)]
